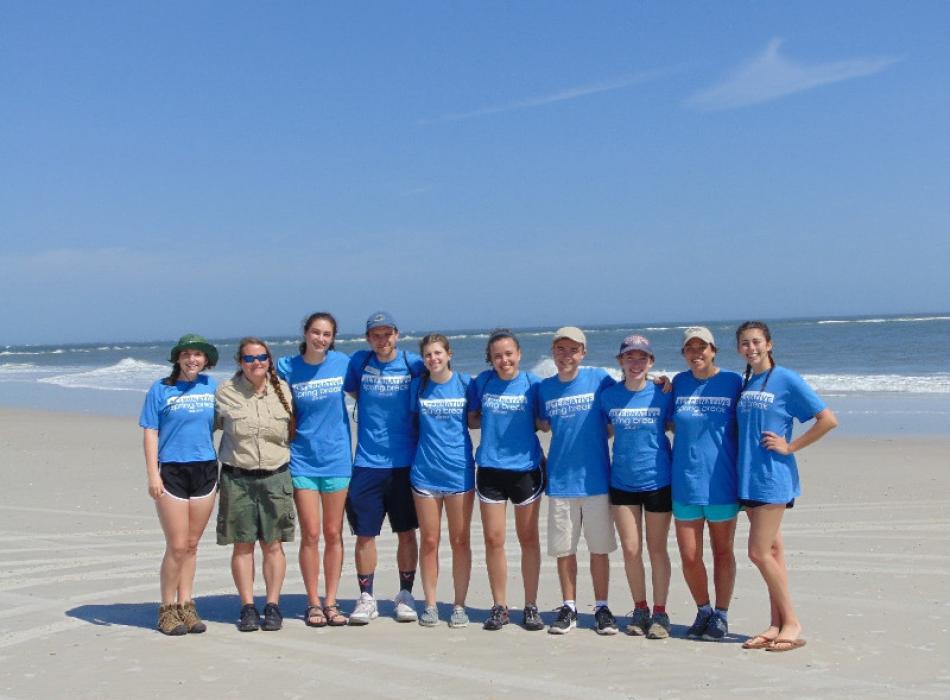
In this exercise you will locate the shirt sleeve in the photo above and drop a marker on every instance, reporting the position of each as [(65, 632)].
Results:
[(803, 402), (283, 368), (414, 394), (149, 417), (473, 395), (353, 370)]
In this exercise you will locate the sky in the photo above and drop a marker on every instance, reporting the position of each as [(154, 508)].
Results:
[(229, 167)]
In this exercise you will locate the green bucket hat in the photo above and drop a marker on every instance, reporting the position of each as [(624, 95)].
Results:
[(193, 341)]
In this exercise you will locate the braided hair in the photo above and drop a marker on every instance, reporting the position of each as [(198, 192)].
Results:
[(756, 326), (274, 380)]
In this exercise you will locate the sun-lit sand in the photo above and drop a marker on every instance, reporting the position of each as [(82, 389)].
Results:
[(80, 545)]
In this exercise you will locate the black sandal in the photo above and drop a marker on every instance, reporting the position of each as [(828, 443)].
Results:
[(315, 617), (333, 616)]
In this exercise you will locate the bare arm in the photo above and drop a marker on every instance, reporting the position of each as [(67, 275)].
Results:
[(824, 422), (663, 381), (150, 445), (475, 420)]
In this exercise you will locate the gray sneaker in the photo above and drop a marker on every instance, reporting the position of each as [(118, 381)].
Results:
[(405, 607), (429, 617), (660, 627), (459, 617), (364, 611), (716, 628), (639, 622)]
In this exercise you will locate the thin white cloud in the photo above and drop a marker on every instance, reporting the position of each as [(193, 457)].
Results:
[(571, 93), (770, 76)]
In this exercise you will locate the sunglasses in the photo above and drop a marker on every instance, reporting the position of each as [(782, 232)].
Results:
[(248, 359)]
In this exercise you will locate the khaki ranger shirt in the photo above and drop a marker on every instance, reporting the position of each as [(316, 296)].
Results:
[(254, 426)]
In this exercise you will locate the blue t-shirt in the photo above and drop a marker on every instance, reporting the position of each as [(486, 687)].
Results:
[(705, 444), (508, 409), (765, 475), (183, 415), (578, 463), (642, 453), (385, 433), (322, 446), (443, 460)]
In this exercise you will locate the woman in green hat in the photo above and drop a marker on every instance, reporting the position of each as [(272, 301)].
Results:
[(182, 468)]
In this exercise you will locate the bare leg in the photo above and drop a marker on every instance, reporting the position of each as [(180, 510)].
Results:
[(242, 570), (600, 575), (365, 554), (567, 575), (658, 532), (429, 513), (308, 515), (689, 537), (458, 513), (767, 552), (275, 567), (333, 507), (494, 523), (722, 538), (199, 511), (526, 526), (628, 520), (173, 516)]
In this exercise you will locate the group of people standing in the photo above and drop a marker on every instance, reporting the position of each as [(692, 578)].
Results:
[(286, 455)]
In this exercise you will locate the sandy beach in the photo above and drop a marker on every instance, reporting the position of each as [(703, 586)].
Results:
[(80, 545)]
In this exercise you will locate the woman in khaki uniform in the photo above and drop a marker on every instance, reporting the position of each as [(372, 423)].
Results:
[(256, 502)]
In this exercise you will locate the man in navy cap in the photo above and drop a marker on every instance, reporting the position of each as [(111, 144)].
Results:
[(386, 440)]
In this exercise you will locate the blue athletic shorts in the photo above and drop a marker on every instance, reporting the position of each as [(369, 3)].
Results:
[(378, 492), (714, 514), (323, 484)]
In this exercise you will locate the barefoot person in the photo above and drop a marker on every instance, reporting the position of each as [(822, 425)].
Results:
[(321, 461), (578, 476), (178, 420), (640, 475), (255, 415), (772, 397), (442, 474), (379, 379), (502, 402), (704, 478)]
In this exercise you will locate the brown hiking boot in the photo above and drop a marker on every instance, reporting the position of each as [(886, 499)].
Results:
[(189, 615), (169, 621)]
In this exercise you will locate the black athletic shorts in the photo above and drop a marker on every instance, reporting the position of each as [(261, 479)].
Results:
[(747, 503), (656, 501), (185, 480), (500, 485)]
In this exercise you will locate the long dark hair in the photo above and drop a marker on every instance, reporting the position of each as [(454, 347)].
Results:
[(272, 377), (756, 326), (318, 316)]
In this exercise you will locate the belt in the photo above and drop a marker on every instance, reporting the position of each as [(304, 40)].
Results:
[(253, 473)]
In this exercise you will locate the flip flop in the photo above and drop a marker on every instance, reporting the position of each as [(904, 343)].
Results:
[(786, 645), (759, 641)]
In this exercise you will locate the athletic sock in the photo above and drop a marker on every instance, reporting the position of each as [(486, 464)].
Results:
[(658, 609), (723, 613), (641, 605), (600, 604), (705, 608), (406, 579), (366, 582), (571, 604)]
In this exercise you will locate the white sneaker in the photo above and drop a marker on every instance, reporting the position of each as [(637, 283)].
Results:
[(405, 607), (364, 611)]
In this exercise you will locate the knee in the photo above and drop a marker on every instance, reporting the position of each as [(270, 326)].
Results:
[(461, 541), (332, 537), (310, 536), (495, 540), (430, 543), (759, 555)]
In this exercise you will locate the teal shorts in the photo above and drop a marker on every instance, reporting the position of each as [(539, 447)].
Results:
[(323, 484), (714, 514)]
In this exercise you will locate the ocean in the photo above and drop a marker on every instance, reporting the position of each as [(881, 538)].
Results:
[(881, 375)]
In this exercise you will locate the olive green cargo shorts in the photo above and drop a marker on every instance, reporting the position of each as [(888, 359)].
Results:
[(255, 507)]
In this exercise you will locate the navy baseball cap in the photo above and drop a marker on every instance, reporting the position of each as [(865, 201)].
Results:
[(379, 319)]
